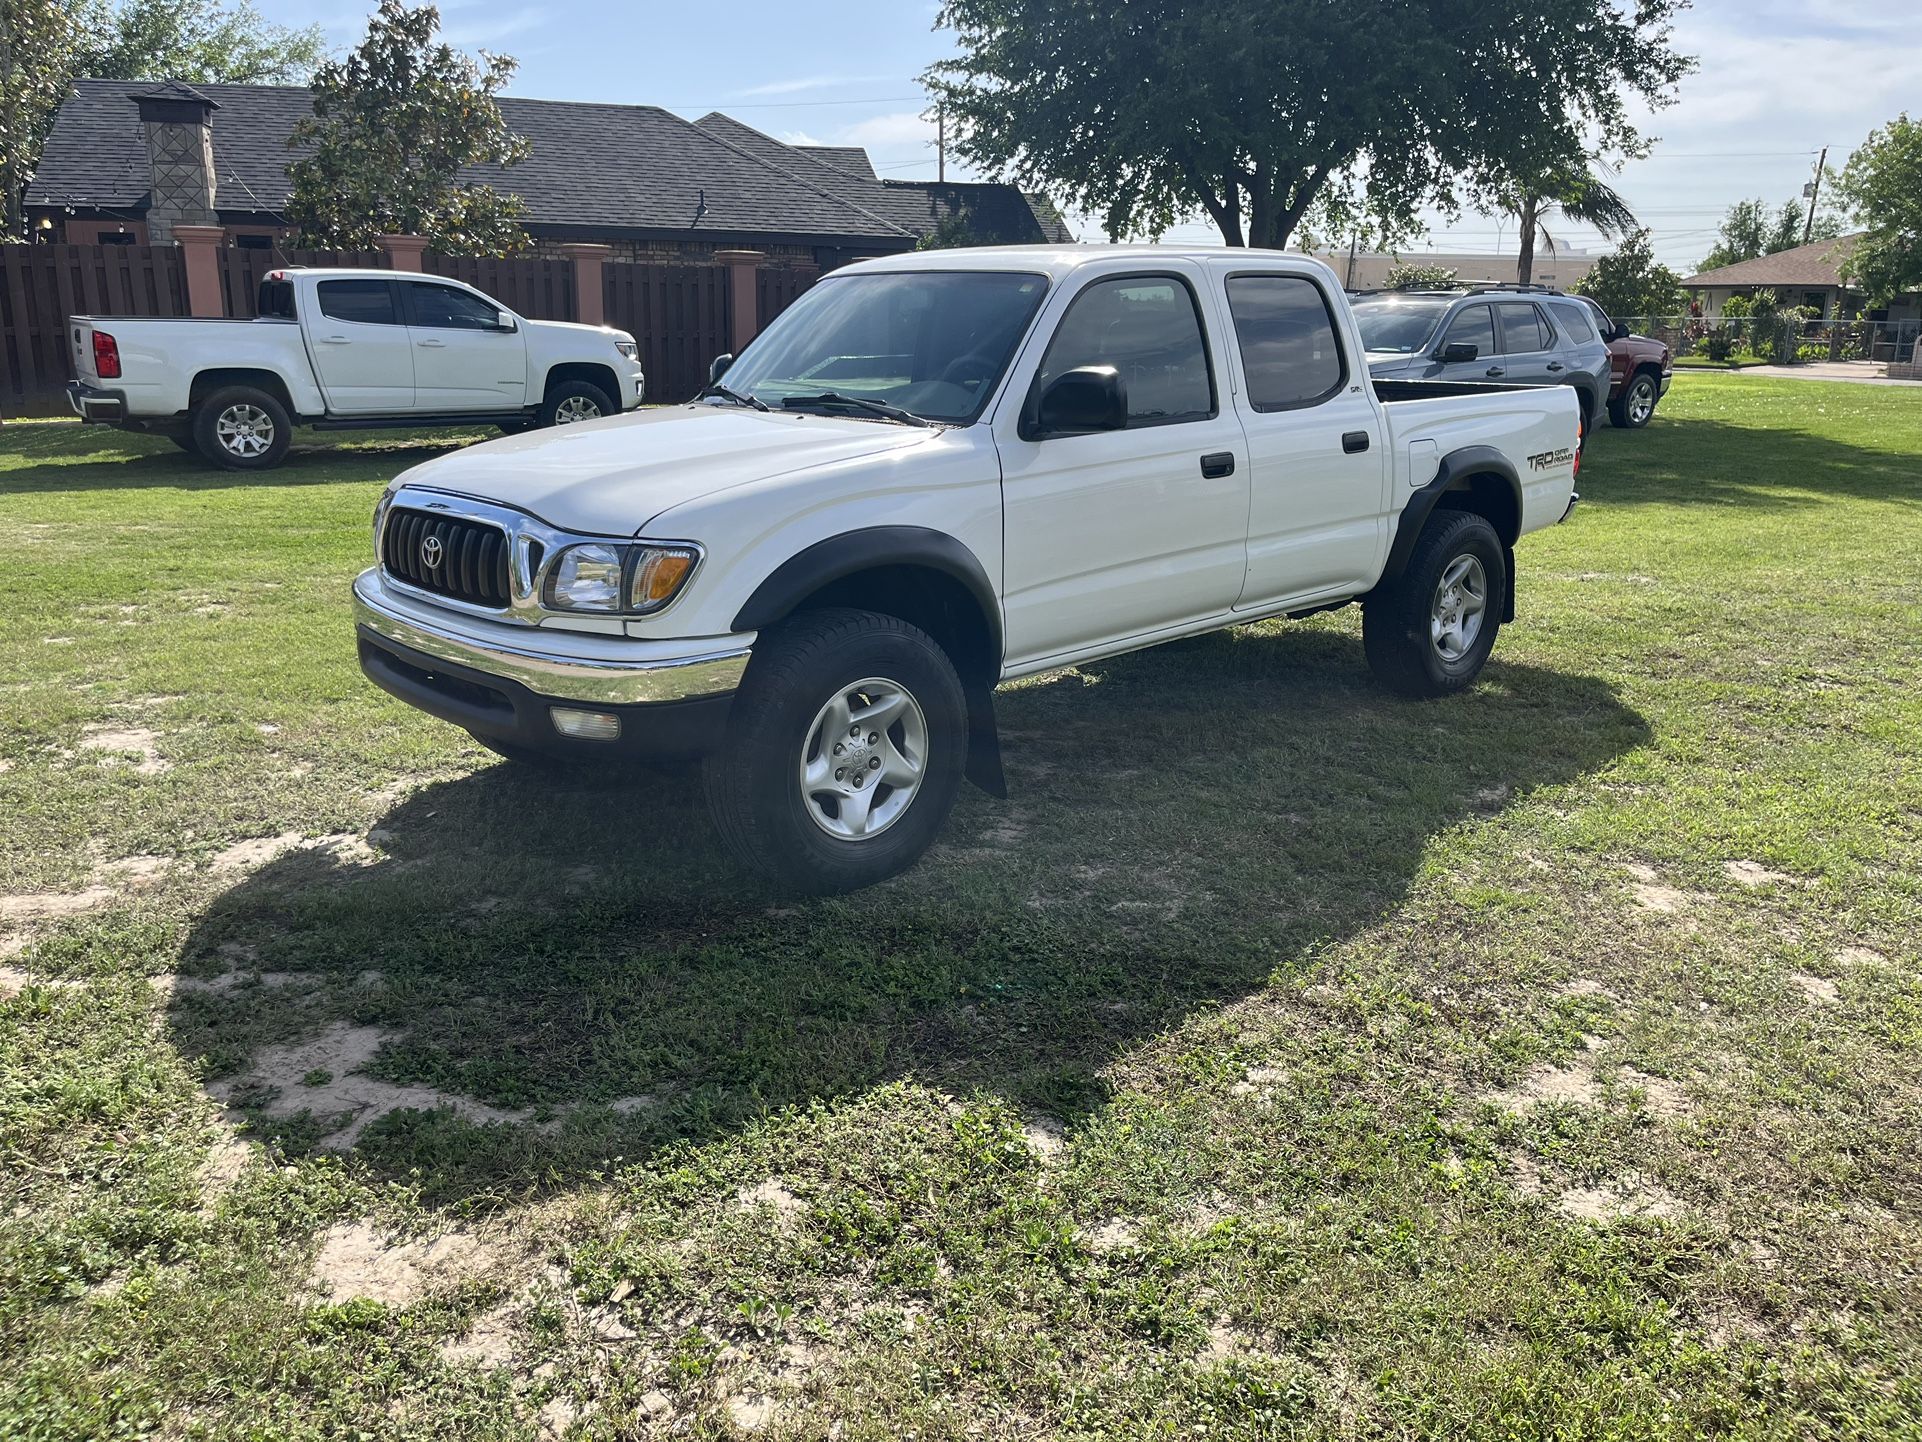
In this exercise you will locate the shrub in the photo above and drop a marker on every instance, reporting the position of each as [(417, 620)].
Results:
[(1719, 344)]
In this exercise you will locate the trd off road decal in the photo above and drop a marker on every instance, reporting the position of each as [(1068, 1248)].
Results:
[(1548, 460)]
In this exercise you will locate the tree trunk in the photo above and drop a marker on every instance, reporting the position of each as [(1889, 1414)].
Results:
[(1530, 217)]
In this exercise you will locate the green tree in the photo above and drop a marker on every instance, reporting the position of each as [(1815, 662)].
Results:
[(39, 40), (1413, 275), (199, 41), (393, 124), (1631, 282), (1882, 185), (1571, 190), (1347, 118), (1750, 231)]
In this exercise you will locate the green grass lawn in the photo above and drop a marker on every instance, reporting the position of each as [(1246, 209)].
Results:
[(1282, 1060)]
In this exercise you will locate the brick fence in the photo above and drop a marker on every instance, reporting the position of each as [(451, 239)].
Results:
[(682, 315)]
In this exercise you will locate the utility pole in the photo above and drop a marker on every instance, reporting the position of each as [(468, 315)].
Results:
[(1354, 245), (1815, 190), (941, 141)]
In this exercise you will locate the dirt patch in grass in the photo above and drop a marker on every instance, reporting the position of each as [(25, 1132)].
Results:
[(1818, 989), (119, 742), (1652, 895), (356, 1260), (1753, 873), (1547, 1084), (321, 1075), (1630, 1195)]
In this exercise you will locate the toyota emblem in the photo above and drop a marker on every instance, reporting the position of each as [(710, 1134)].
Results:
[(430, 552)]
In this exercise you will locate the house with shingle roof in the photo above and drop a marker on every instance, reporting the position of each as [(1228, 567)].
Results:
[(636, 177), (1814, 275)]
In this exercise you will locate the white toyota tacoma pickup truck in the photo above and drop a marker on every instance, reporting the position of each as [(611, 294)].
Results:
[(934, 473), (345, 349)]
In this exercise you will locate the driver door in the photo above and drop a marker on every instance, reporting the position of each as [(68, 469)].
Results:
[(1118, 534)]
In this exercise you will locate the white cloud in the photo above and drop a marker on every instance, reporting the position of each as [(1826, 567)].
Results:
[(810, 82)]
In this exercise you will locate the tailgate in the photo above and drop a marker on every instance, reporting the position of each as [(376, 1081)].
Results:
[(80, 349)]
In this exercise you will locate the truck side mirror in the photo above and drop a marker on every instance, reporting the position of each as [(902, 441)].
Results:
[(505, 321), (1619, 331), (1076, 402), (1457, 351), (718, 367)]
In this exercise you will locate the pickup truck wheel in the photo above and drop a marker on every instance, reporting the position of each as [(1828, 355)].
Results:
[(1429, 632), (844, 751), (573, 401), (242, 429), (1636, 408)]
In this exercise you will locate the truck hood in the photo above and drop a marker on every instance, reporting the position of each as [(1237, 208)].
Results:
[(611, 477), (574, 328)]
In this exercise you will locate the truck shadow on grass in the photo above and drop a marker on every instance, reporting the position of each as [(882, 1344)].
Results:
[(530, 977), (118, 461)]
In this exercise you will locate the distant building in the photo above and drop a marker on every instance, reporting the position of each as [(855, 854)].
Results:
[(1814, 275), (128, 160), (1369, 269)]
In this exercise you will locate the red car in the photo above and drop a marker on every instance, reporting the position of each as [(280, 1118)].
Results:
[(1640, 371)]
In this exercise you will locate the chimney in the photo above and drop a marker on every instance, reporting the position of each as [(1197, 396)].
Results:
[(179, 122)]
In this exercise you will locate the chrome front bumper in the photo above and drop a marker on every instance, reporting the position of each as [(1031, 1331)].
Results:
[(556, 664)]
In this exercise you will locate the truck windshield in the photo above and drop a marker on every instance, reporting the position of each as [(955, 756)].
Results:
[(1395, 325), (933, 343)]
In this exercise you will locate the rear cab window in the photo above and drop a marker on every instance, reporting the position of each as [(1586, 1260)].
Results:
[(1290, 351), (359, 302)]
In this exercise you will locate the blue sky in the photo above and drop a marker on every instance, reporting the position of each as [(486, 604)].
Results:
[(1779, 79)]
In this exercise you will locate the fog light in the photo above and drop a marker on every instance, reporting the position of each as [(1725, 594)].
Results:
[(586, 725)]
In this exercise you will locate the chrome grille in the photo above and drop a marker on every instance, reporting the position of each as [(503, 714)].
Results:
[(469, 558)]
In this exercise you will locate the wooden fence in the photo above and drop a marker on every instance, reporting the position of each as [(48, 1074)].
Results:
[(41, 285), (680, 314)]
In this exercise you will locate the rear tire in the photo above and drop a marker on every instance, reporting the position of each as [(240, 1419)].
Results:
[(240, 428), (824, 806), (1429, 632), (1636, 406), (573, 401)]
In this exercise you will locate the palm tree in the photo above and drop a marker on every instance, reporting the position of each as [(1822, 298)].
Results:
[(1583, 198)]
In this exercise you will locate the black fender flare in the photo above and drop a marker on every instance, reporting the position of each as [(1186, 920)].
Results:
[(851, 552), (1468, 461)]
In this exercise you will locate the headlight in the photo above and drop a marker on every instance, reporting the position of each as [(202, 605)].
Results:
[(620, 580), (628, 348)]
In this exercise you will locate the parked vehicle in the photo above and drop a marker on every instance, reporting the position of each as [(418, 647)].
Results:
[(1640, 369), (936, 472), (1512, 334), (345, 349)]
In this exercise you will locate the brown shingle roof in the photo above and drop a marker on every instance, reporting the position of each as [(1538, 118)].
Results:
[(1814, 265)]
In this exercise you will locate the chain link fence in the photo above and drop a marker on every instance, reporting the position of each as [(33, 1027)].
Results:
[(1786, 338)]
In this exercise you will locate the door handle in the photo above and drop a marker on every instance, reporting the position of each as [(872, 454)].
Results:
[(1217, 465), (1496, 371), (334, 340), (1354, 442), (434, 344), (1555, 365)]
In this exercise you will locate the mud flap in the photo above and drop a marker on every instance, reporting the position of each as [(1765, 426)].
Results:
[(1508, 589), (984, 743)]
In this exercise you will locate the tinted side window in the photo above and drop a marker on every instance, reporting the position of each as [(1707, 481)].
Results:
[(1472, 326), (449, 308), (1574, 318), (1522, 328), (365, 302), (1287, 337), (1147, 328)]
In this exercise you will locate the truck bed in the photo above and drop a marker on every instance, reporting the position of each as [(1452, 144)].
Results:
[(1391, 391)]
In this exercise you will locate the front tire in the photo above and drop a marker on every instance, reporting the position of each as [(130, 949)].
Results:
[(1636, 408), (843, 754), (240, 428), (574, 401), (1429, 632)]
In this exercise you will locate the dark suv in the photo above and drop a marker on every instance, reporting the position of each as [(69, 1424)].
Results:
[(1522, 336)]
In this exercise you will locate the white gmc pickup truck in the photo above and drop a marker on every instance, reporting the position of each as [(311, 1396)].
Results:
[(345, 349), (934, 473)]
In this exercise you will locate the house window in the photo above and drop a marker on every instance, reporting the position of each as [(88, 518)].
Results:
[(253, 242)]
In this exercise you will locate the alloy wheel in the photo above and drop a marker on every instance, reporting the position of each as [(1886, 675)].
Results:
[(863, 759)]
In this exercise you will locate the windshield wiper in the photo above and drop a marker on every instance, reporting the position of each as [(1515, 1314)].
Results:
[(726, 394), (862, 403)]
